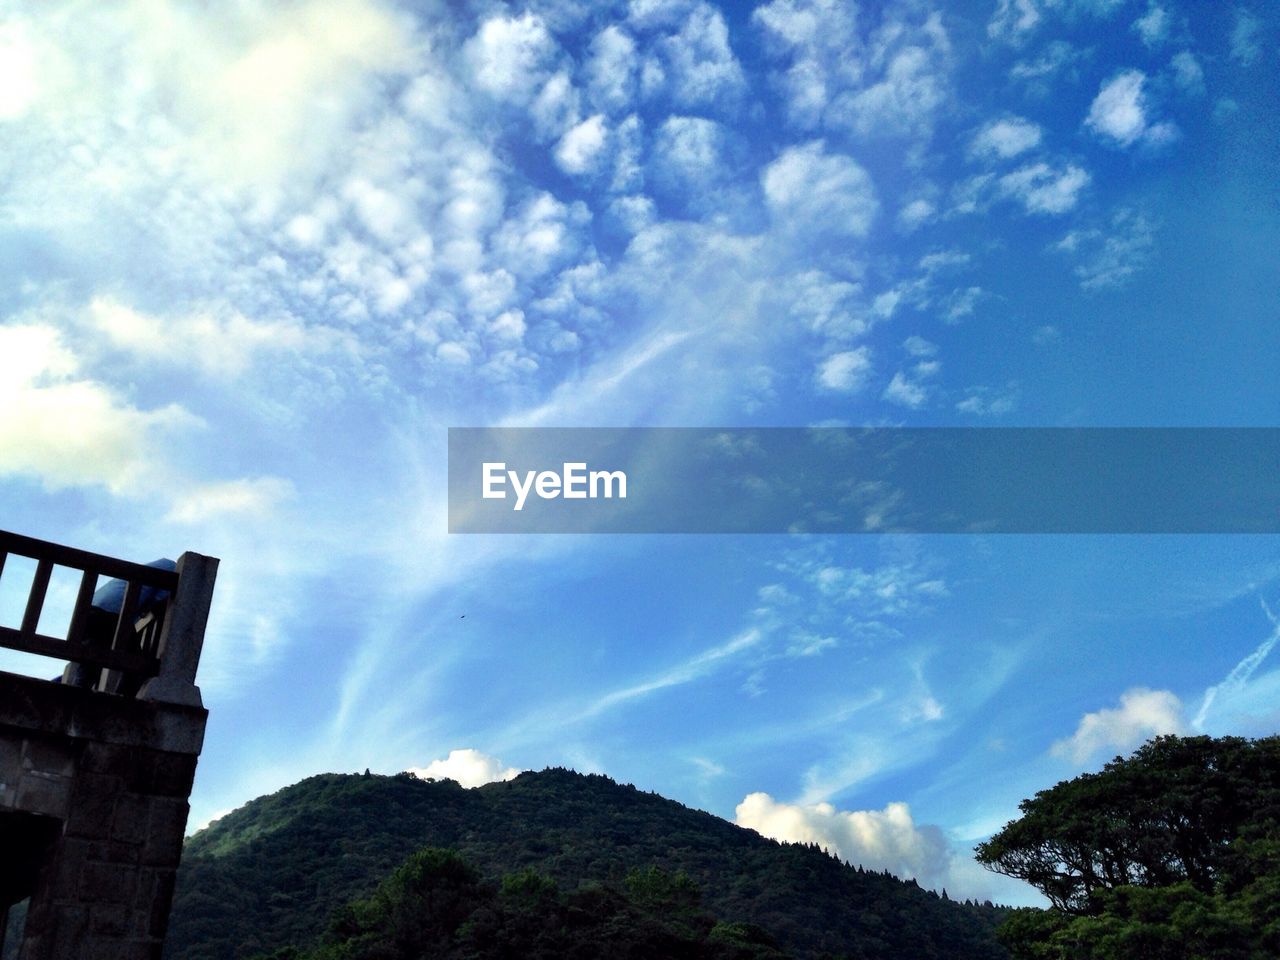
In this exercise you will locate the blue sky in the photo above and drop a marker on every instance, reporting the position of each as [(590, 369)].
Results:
[(257, 261)]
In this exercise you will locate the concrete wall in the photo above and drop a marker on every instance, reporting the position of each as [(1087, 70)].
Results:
[(110, 778)]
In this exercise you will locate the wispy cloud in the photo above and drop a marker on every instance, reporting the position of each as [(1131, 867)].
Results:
[(1235, 683)]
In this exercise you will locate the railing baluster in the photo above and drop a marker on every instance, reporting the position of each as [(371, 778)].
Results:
[(124, 623), (35, 600), (80, 616)]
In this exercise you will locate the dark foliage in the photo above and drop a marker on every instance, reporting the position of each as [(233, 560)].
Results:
[(1165, 815), (1171, 854), (436, 905), (273, 874)]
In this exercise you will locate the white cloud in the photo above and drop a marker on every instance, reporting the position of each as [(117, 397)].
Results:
[(915, 213), (687, 149), (1242, 703), (983, 401), (845, 372), (818, 39), (258, 496), (65, 429), (907, 388), (510, 56), (824, 304), (1013, 19), (1245, 48), (812, 190), (917, 346), (912, 84), (1042, 189), (961, 303), (471, 768), (1006, 138), (556, 107), (1187, 72), (887, 839), (579, 151), (803, 643), (892, 590), (1142, 714), (215, 340), (628, 169), (702, 67), (387, 216), (453, 353), (692, 669), (891, 84), (611, 70), (273, 104), (906, 392), (1058, 57), (542, 235), (19, 74), (651, 14), (1119, 113), (258, 96), (1110, 257), (1153, 26)]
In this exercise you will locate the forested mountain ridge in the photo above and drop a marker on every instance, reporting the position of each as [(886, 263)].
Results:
[(275, 872)]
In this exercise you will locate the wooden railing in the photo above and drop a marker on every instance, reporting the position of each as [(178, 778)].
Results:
[(140, 639)]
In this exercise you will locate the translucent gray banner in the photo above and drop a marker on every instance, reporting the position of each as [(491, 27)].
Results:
[(864, 480)]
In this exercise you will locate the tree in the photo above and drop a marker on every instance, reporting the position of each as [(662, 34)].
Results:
[(1171, 854), (1165, 815)]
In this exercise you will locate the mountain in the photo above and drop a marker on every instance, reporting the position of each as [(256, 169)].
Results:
[(275, 872)]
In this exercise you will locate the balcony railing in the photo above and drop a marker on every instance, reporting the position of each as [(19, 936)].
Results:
[(159, 640)]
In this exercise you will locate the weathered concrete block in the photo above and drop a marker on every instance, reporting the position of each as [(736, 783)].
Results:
[(48, 756), (44, 794), (109, 758), (69, 863), (103, 948), (69, 925), (11, 759), (112, 919), (167, 825), (163, 882), (172, 775), (117, 851), (93, 803), (108, 883), (132, 818)]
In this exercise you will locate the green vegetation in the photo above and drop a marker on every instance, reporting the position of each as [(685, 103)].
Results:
[(436, 905), (532, 857), (1172, 853)]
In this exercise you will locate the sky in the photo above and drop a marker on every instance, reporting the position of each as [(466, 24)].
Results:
[(258, 257)]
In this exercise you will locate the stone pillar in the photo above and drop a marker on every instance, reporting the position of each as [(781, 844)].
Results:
[(112, 777), (183, 634)]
